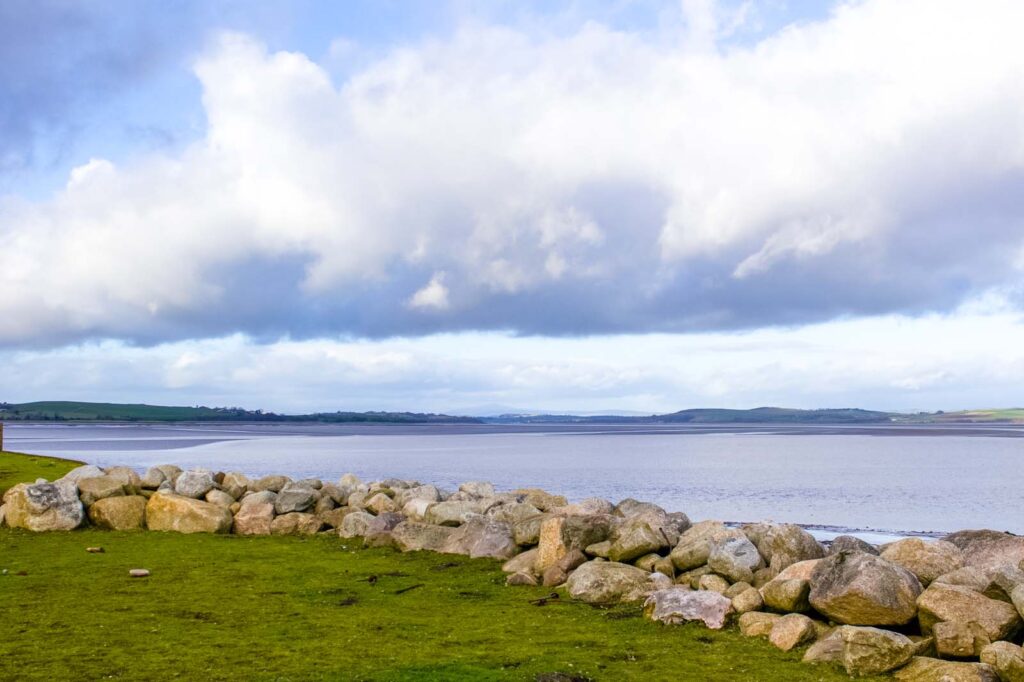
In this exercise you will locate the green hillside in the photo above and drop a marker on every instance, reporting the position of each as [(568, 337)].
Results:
[(68, 411), (776, 415)]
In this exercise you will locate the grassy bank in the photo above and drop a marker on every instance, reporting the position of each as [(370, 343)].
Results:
[(16, 468), (288, 608)]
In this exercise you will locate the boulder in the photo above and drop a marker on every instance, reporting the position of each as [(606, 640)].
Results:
[(600, 582), (540, 499), (452, 513), (521, 579), (872, 651), (295, 523), (988, 548), (129, 479), (560, 534), (757, 623), (83, 472), (791, 630), (713, 583), (119, 513), (220, 498), (170, 512), (425, 493), (263, 497), (828, 649), (152, 479), (971, 577), (586, 507), (675, 605), (694, 546), (481, 537), (521, 563), (271, 483), (99, 487), (854, 588), (527, 531), (44, 506), (736, 558), (1007, 659), (170, 472), (254, 518), (335, 517), (790, 590), (789, 543), (849, 543), (747, 600), (478, 488), (411, 536), (194, 484), (952, 603), (380, 504), (354, 525), (921, 669), (959, 640), (235, 484), (295, 497), (601, 550), (926, 560), (634, 538), (513, 513)]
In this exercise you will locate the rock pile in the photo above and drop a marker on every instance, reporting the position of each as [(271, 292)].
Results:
[(929, 610)]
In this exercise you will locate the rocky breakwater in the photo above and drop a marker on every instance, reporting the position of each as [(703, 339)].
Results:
[(925, 610)]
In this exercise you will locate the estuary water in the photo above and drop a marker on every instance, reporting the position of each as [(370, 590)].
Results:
[(877, 480)]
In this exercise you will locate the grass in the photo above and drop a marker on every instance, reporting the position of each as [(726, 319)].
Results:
[(17, 468), (289, 608)]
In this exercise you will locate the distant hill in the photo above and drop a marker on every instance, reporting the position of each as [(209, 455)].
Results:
[(760, 415), (65, 411)]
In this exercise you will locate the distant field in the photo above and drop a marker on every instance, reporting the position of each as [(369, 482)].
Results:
[(1015, 414)]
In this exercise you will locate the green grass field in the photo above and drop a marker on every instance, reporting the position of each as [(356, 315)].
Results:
[(289, 608), (16, 468)]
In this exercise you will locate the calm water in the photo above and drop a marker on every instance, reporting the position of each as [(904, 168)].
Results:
[(892, 479)]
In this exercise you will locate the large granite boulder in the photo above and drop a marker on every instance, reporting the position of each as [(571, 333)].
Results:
[(873, 651), (513, 513), (83, 472), (854, 588), (254, 517), (790, 590), (153, 478), (678, 604), (412, 536), (585, 507), (952, 603), (482, 537), (521, 563), (99, 487), (792, 630), (789, 543), (453, 513), (694, 546), (541, 499), (477, 488), (129, 479), (44, 506), (988, 548), (1007, 659), (603, 582), (426, 493), (194, 484), (849, 543), (271, 483), (926, 560), (119, 513), (757, 623), (296, 523), (560, 534), (634, 538), (295, 497), (736, 558), (170, 512), (381, 504), (235, 484), (355, 524), (527, 531), (922, 669)]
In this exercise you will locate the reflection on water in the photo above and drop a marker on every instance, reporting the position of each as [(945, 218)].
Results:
[(852, 477)]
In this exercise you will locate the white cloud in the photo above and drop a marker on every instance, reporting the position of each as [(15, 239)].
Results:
[(595, 178), (433, 295)]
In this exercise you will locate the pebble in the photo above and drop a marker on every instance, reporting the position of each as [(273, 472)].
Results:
[(138, 573), (94, 550)]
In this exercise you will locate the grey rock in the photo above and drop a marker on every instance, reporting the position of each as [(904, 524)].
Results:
[(676, 605), (194, 484), (854, 588), (736, 558)]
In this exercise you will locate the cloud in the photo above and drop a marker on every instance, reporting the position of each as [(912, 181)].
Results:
[(433, 295), (583, 182), (972, 358)]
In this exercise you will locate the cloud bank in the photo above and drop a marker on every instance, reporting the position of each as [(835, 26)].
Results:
[(595, 181)]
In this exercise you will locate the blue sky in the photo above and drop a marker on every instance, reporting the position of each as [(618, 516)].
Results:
[(631, 204)]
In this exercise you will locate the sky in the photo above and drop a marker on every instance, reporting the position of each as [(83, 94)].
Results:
[(445, 205)]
